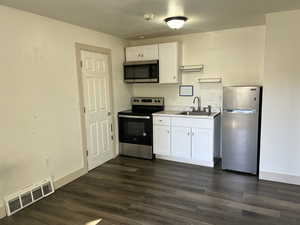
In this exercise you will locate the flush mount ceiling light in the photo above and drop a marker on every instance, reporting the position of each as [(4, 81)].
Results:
[(176, 22)]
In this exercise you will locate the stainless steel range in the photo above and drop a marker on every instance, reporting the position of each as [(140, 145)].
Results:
[(136, 128)]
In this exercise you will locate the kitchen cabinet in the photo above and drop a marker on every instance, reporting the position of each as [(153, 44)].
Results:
[(161, 140), (169, 62), (181, 142), (187, 139), (168, 54), (201, 145), (142, 53)]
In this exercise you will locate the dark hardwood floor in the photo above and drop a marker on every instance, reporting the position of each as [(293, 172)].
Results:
[(127, 191)]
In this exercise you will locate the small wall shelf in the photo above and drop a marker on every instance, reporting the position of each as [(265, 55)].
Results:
[(192, 68), (210, 80)]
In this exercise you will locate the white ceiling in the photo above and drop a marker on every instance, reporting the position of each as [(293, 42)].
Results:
[(124, 18)]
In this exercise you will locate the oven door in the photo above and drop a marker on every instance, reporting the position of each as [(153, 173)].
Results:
[(135, 129), (141, 72)]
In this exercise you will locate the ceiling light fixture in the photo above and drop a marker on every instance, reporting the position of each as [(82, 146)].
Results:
[(176, 22)]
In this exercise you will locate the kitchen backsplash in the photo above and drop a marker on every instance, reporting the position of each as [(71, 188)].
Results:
[(210, 93)]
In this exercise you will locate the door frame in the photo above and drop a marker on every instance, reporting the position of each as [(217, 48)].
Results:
[(83, 47)]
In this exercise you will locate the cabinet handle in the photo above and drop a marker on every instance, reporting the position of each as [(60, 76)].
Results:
[(174, 78), (188, 133), (168, 131)]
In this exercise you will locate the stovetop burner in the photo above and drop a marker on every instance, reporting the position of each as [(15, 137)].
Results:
[(144, 106)]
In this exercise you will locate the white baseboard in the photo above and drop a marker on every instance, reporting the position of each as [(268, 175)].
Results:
[(2, 211), (278, 177), (69, 178), (199, 163)]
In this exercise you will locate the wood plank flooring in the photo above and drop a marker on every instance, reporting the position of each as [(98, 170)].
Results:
[(127, 191)]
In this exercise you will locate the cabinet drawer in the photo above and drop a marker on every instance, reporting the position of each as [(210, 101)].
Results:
[(161, 120), (193, 122)]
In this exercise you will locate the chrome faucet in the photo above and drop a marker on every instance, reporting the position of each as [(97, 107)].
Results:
[(199, 104)]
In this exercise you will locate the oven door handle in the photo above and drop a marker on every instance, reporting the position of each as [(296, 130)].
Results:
[(135, 117)]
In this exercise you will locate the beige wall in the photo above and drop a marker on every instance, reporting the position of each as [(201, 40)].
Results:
[(280, 150), (40, 119), (236, 55)]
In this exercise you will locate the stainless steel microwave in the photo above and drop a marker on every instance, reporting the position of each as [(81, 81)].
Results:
[(141, 72)]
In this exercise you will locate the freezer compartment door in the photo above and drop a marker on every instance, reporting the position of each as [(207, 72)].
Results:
[(241, 97), (240, 140)]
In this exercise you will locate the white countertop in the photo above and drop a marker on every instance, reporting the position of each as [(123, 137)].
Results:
[(177, 114)]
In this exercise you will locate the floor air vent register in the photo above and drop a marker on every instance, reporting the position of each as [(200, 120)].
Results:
[(28, 196)]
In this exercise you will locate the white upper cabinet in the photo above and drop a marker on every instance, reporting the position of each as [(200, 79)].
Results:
[(142, 53), (169, 62), (168, 54)]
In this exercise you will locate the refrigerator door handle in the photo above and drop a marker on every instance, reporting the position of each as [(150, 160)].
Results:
[(239, 111)]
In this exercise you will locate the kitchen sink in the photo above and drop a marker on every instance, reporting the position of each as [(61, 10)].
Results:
[(201, 113)]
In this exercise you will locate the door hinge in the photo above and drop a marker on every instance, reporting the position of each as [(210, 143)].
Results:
[(84, 110), (112, 137), (87, 152), (111, 127), (81, 63)]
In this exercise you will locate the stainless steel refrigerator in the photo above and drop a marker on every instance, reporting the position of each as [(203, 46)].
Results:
[(241, 128)]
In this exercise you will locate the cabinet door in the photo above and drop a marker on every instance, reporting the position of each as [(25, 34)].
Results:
[(202, 148), (142, 53), (149, 52), (133, 54), (162, 140), (181, 142), (168, 63)]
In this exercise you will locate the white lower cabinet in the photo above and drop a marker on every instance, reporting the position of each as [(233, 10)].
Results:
[(185, 140), (161, 140), (181, 142), (202, 149)]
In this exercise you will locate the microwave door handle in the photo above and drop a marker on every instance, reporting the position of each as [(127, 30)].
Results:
[(135, 117)]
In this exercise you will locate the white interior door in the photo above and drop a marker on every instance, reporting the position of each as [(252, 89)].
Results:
[(98, 116)]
